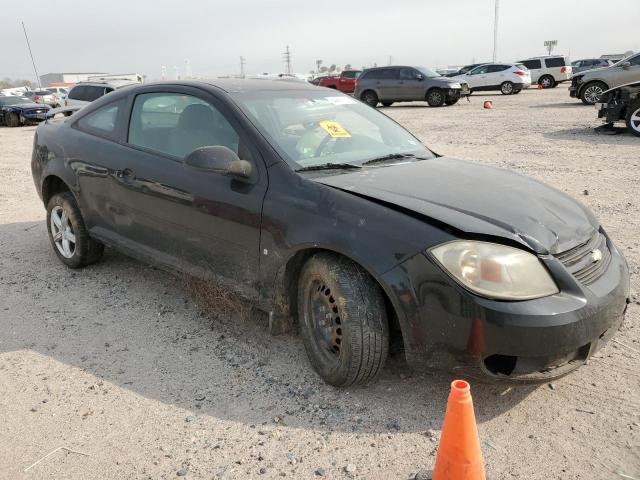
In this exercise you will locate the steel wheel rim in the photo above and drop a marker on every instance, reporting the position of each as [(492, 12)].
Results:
[(545, 82), (592, 93), (323, 318), (635, 120), (62, 232)]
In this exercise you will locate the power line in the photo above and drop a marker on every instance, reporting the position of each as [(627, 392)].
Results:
[(31, 54)]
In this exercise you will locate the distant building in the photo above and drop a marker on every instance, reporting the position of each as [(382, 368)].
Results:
[(60, 79), (615, 57)]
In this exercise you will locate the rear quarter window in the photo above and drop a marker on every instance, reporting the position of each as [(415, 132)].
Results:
[(78, 93), (103, 121)]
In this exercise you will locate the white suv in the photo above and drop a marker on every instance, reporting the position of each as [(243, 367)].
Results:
[(507, 78), (84, 93), (548, 71)]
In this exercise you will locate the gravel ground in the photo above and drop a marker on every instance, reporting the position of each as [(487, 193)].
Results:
[(117, 363)]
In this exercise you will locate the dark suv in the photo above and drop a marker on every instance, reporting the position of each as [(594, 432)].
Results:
[(387, 85)]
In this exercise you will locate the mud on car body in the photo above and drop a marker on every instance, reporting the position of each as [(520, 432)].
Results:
[(333, 218)]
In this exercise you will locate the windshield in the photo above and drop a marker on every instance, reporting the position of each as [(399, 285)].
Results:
[(428, 73), (13, 100), (310, 128)]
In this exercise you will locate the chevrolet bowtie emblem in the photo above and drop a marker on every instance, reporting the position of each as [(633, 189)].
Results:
[(596, 255)]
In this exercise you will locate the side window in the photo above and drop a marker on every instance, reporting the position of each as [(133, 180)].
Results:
[(93, 93), (635, 60), (497, 68), (389, 74), (350, 74), (176, 124), (407, 74), (554, 62), (479, 70), (532, 64), (102, 122), (373, 75), (77, 93)]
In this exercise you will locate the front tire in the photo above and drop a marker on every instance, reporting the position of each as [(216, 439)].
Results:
[(451, 101), (387, 104), (12, 119), (633, 119), (370, 98), (506, 88), (592, 92), (68, 234), (435, 97), (343, 320)]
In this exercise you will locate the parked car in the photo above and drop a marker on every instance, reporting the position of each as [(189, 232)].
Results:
[(623, 105), (506, 78), (589, 64), (387, 85), (548, 71), (590, 85), (463, 70), (58, 90), (345, 82), (16, 111), (326, 212), (83, 93), (316, 81), (42, 96)]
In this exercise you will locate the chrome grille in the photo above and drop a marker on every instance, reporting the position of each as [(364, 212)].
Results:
[(582, 261)]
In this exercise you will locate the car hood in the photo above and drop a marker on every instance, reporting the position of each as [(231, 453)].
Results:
[(476, 199), (28, 105), (443, 81)]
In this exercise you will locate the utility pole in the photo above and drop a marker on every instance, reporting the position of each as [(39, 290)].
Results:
[(287, 60), (318, 65), (242, 62), (187, 69), (390, 60), (31, 54), (495, 32), (163, 72)]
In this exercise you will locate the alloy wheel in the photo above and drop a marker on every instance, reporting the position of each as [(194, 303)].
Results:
[(545, 82), (507, 88), (62, 232), (634, 120), (592, 93)]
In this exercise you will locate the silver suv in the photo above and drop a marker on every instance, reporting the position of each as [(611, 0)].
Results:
[(548, 71), (589, 86), (84, 93), (387, 85)]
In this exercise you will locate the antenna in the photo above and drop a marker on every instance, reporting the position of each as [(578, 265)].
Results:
[(242, 63), (495, 32), (31, 54), (287, 60)]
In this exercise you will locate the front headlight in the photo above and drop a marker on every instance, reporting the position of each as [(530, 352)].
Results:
[(495, 271)]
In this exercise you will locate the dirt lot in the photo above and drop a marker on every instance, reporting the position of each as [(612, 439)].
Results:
[(118, 363)]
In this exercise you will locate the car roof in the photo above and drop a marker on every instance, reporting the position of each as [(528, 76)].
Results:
[(237, 85), (109, 83), (547, 56)]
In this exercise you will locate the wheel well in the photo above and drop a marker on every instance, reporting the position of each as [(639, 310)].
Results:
[(51, 186), (592, 81), (289, 288)]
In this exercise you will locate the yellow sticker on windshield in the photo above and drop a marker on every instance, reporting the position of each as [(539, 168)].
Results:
[(335, 130)]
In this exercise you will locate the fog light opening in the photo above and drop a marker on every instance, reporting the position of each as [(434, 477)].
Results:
[(501, 364)]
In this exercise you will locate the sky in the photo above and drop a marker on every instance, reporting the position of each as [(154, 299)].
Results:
[(117, 36)]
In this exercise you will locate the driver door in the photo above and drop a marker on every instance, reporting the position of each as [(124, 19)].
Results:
[(477, 78), (189, 219)]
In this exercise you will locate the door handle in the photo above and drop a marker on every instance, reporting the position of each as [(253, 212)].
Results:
[(126, 174)]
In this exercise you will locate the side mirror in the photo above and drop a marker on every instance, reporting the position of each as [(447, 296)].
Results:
[(219, 159), (625, 65), (419, 77)]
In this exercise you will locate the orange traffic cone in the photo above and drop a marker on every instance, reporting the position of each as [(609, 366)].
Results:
[(488, 105), (459, 456), (539, 87)]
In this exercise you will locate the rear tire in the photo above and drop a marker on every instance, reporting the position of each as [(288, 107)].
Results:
[(12, 119), (506, 88), (343, 320), (451, 101), (633, 119), (68, 234), (435, 97), (515, 92), (387, 104), (592, 92), (547, 81), (370, 98)]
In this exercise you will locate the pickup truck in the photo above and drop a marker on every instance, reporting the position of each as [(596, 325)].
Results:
[(345, 82)]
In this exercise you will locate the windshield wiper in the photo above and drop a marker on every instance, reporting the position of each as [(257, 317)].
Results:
[(328, 166), (392, 156)]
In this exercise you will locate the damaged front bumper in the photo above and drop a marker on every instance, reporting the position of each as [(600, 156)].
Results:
[(446, 327)]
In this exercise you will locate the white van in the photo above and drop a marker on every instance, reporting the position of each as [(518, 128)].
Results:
[(548, 71)]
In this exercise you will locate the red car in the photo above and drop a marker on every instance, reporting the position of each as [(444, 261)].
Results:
[(345, 82)]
